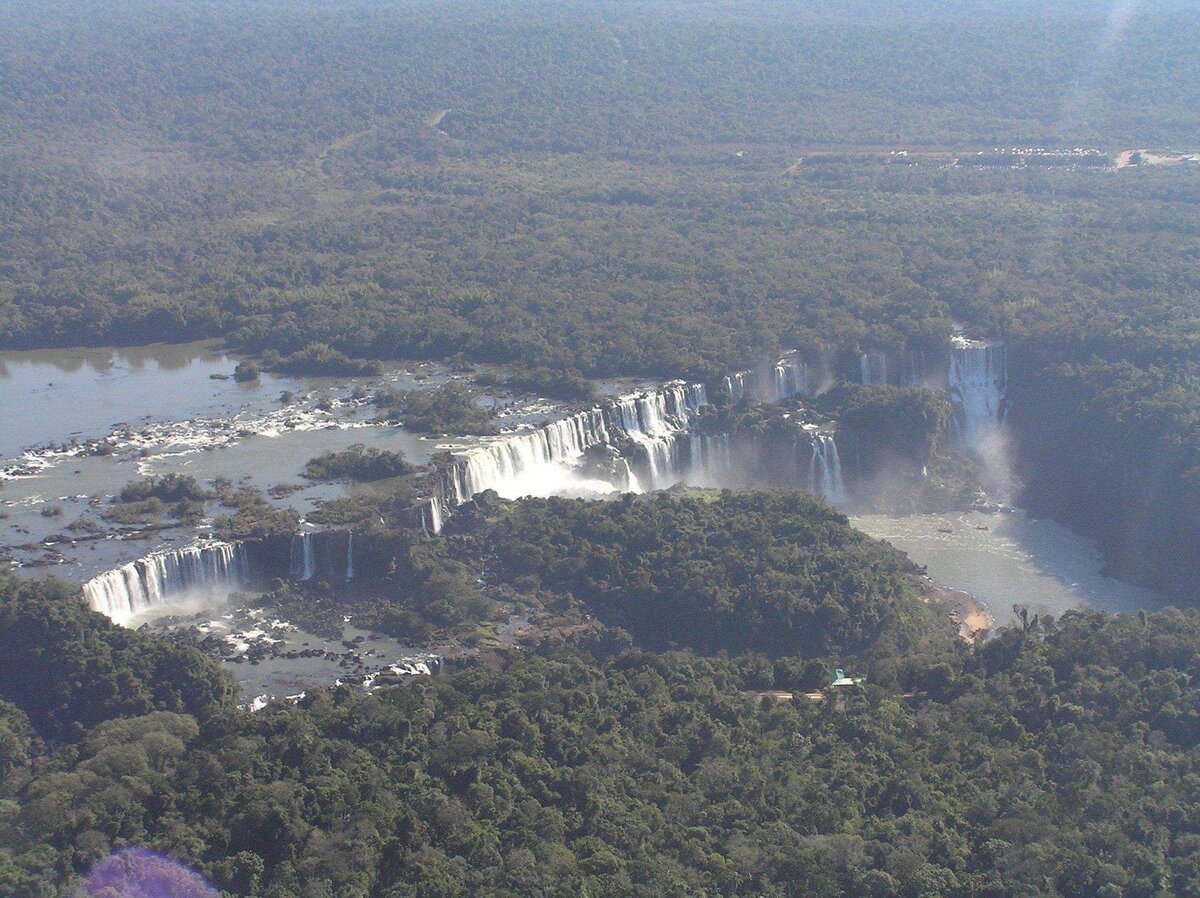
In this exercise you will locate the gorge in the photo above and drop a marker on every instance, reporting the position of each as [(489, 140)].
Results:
[(658, 438), (639, 441)]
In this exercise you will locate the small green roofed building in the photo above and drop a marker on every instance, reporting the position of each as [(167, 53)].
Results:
[(840, 679)]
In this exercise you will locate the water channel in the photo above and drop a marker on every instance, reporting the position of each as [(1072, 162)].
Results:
[(176, 409)]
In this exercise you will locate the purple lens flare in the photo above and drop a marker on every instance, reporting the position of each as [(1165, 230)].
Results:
[(139, 873)]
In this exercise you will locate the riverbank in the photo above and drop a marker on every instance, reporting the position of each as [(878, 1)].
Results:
[(971, 616)]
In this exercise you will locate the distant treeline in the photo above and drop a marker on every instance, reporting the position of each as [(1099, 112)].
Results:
[(269, 173), (280, 80)]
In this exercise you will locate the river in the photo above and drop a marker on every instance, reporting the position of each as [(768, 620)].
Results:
[(163, 411), (1009, 558), (176, 409)]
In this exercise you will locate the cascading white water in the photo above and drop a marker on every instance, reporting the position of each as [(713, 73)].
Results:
[(432, 516), (349, 555), (662, 426), (661, 412), (978, 380), (656, 421), (506, 464), (625, 479), (547, 461), (735, 385), (825, 469), (160, 580), (789, 378), (303, 564), (662, 458), (873, 369)]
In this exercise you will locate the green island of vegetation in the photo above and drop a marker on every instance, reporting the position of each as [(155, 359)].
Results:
[(145, 500), (449, 408), (357, 463)]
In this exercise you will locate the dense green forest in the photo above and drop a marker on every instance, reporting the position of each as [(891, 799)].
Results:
[(271, 175), (541, 261), (1056, 759), (70, 669), (659, 189), (777, 572)]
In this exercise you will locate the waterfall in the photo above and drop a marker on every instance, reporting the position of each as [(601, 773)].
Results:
[(644, 419), (504, 464), (708, 452), (303, 557), (873, 369), (905, 369), (349, 556), (432, 516), (662, 461), (546, 461), (205, 571), (642, 441), (661, 412), (625, 479), (656, 421), (709, 455), (825, 469), (978, 379), (735, 386), (790, 378)]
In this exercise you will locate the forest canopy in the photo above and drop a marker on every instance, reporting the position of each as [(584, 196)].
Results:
[(330, 184), (775, 572), (1056, 759)]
